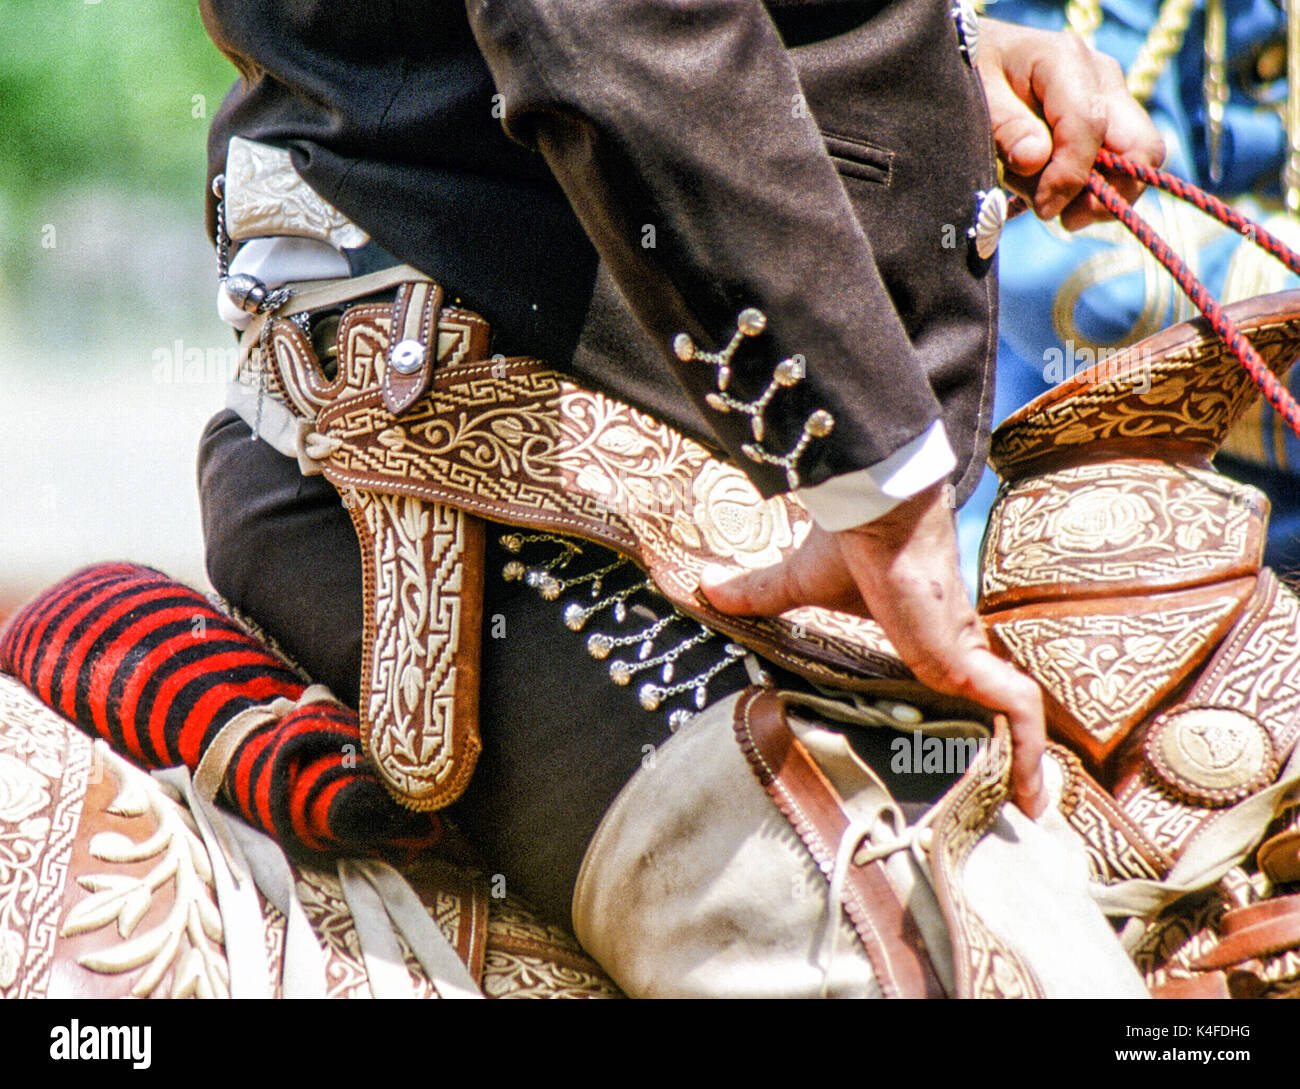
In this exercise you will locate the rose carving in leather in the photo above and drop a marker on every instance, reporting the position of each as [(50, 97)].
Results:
[(733, 520), (1094, 519)]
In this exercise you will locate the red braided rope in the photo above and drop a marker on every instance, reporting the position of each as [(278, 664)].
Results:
[(1211, 206), (1276, 393)]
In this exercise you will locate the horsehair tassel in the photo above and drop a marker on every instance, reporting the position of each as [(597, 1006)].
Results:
[(1276, 393)]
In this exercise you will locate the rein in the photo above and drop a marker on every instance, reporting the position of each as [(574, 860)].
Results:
[(1276, 393)]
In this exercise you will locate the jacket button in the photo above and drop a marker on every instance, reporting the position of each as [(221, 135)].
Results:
[(990, 215), (968, 29)]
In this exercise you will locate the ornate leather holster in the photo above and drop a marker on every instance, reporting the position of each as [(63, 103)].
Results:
[(423, 436), (1120, 570)]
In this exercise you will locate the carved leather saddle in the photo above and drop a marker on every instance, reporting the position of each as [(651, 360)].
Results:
[(1123, 573)]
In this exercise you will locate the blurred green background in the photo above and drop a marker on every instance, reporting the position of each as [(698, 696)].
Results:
[(107, 284)]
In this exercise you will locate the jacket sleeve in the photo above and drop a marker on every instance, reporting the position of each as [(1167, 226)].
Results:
[(681, 137)]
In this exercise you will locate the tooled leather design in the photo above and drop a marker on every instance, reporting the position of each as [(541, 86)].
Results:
[(421, 566), (1254, 679), (141, 917), (1111, 582), (1210, 756), (416, 311), (1120, 527), (1111, 508), (109, 892), (1182, 386), (1254, 676), (1182, 942), (508, 948), (107, 889), (297, 375), (45, 771), (1116, 847), (528, 958), (298, 378), (1177, 938), (516, 442), (422, 574), (1166, 820), (1107, 665), (265, 196), (985, 966), (521, 444)]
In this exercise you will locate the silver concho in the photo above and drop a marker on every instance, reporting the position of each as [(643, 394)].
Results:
[(678, 719), (990, 216), (968, 30), (246, 292), (1211, 756), (407, 356)]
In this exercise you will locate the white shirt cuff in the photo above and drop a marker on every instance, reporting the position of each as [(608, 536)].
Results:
[(853, 499)]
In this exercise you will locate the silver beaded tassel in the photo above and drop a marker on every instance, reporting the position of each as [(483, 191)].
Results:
[(600, 645), (652, 694), (542, 579), (621, 671), (789, 372)]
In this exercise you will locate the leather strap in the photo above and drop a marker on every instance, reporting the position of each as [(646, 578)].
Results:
[(1259, 930), (413, 349), (317, 294), (1278, 856), (813, 807)]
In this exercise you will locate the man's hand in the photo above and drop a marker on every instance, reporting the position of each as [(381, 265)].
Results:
[(1054, 103), (902, 571)]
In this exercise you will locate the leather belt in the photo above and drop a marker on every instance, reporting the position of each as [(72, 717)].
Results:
[(423, 435)]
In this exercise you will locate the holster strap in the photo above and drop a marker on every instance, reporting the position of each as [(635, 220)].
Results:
[(319, 294), (414, 348)]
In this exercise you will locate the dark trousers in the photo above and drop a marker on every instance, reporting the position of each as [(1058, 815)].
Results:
[(559, 740)]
